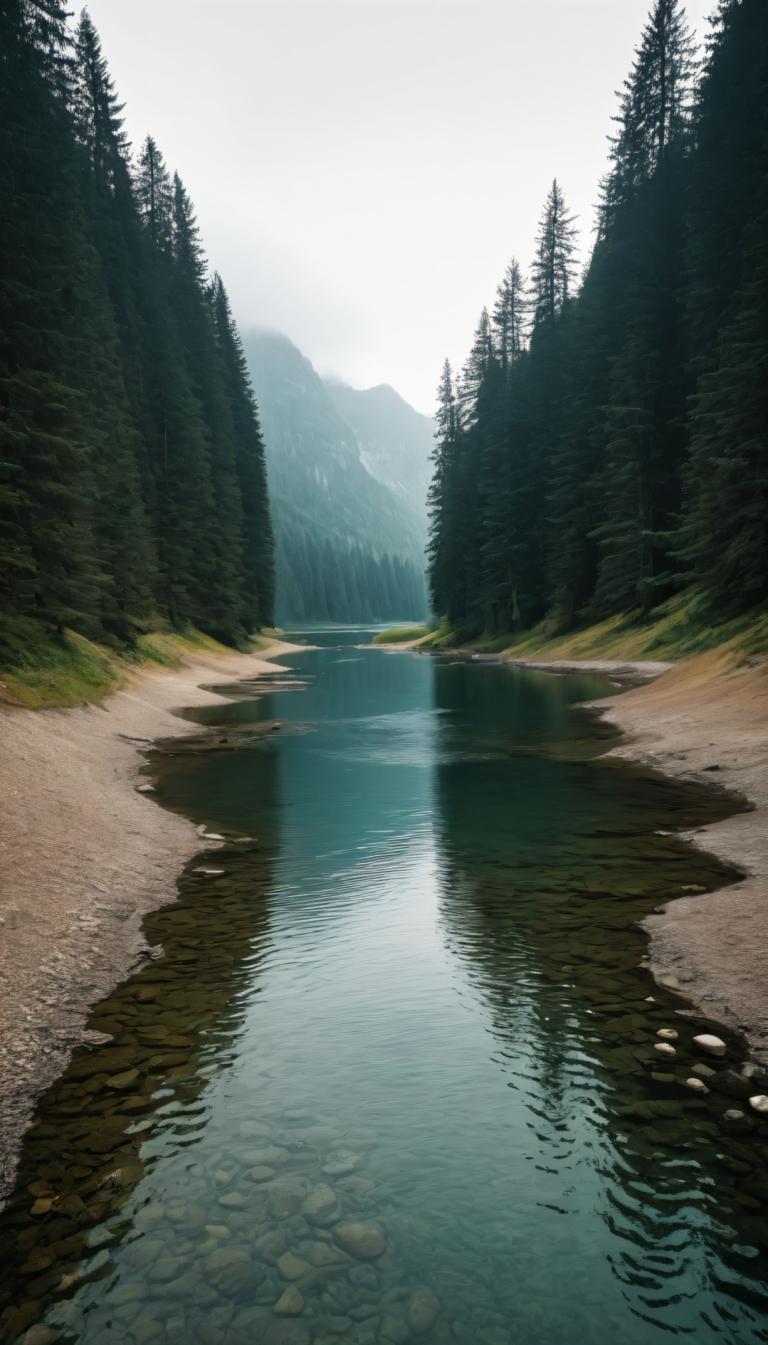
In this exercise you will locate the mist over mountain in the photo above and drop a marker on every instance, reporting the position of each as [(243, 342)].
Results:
[(395, 440), (349, 539)]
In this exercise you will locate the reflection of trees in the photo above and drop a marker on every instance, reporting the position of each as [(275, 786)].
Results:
[(174, 1026), (546, 867)]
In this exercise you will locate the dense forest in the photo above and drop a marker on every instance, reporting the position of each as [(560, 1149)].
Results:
[(606, 446), (349, 537), (132, 470)]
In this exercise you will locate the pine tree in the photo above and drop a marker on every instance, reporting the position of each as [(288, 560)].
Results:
[(553, 270), (509, 316)]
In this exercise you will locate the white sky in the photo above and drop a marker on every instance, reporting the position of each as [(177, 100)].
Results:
[(363, 169)]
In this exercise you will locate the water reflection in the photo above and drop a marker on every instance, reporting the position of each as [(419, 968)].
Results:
[(413, 1001)]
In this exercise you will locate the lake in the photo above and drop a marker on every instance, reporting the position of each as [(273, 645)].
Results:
[(397, 1072)]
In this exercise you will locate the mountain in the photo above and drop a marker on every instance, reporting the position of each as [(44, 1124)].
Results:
[(350, 547), (395, 440)]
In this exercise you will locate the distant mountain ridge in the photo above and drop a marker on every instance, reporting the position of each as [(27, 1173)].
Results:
[(395, 440), (350, 539)]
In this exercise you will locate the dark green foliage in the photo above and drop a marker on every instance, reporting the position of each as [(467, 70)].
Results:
[(132, 482), (624, 454)]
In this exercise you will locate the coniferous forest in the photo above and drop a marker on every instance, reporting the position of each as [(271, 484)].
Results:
[(606, 444), (132, 475)]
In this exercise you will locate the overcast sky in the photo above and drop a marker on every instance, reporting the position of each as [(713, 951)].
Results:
[(363, 169)]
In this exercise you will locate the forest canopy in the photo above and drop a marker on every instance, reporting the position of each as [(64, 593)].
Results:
[(132, 477), (606, 446)]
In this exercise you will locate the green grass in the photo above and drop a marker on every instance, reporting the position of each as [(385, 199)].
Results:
[(400, 635), (41, 670), (677, 629)]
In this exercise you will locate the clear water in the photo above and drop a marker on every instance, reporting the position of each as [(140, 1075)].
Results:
[(419, 985)]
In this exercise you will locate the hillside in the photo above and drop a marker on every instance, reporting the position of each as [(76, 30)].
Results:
[(347, 547), (395, 440)]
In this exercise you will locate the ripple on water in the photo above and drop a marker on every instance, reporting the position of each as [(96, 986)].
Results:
[(413, 1007)]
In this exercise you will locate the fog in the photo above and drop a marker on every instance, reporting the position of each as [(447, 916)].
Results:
[(363, 169)]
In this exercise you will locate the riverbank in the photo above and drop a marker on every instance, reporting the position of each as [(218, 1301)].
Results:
[(83, 857), (706, 719), (702, 719)]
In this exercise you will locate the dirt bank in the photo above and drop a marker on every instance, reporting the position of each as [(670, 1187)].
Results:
[(83, 857), (707, 719)]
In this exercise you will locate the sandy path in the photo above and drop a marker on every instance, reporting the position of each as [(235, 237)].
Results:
[(83, 857)]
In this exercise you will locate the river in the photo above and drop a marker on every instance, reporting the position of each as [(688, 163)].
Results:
[(407, 996)]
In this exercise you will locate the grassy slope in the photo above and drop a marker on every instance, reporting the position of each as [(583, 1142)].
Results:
[(400, 635), (674, 631), (39, 671)]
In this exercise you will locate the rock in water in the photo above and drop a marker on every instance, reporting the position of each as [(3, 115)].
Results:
[(290, 1303), (664, 1048), (321, 1206), (698, 1085), (292, 1267), (362, 1241), (759, 1104), (667, 1033), (712, 1045), (423, 1310)]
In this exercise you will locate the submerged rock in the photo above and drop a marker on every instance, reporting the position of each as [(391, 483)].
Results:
[(759, 1103), (698, 1085), (321, 1206), (712, 1045), (362, 1241), (292, 1267), (664, 1048), (423, 1310), (668, 1033), (290, 1303)]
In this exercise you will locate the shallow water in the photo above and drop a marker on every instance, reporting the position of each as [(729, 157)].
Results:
[(418, 985)]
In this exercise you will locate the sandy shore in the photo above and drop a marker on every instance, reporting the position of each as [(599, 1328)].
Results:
[(83, 857), (706, 719)]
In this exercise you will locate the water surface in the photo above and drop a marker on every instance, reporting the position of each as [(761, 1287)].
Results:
[(416, 988)]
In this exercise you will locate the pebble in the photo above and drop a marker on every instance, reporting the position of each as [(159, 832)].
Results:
[(698, 1085), (704, 1071), (290, 1303), (320, 1206), (664, 1048), (423, 1310), (759, 1103), (712, 1045), (733, 1114), (362, 1241), (292, 1267), (667, 1033)]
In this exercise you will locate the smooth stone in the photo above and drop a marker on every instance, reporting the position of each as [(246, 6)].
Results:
[(40, 1335), (423, 1310), (320, 1206), (733, 1114), (145, 789), (759, 1103), (290, 1303), (712, 1045), (218, 1231), (232, 1200), (704, 1071), (260, 1174), (228, 1269), (668, 1033), (362, 1241), (270, 1246), (292, 1267), (664, 1048), (264, 1158), (124, 1080), (698, 1085), (341, 1165), (337, 1325)]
